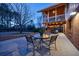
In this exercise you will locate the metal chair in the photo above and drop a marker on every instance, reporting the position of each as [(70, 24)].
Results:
[(30, 41), (52, 40), (35, 43)]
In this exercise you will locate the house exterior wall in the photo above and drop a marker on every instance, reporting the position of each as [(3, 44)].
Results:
[(72, 27), (75, 30)]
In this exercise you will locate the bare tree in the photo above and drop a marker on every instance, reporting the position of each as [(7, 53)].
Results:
[(18, 12), (25, 14), (5, 13)]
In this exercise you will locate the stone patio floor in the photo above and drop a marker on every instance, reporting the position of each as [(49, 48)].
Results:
[(64, 47)]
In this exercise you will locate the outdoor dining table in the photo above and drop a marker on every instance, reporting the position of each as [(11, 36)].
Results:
[(39, 45), (42, 41), (42, 38)]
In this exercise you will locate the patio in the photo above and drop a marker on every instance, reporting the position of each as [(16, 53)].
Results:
[(18, 46), (64, 47)]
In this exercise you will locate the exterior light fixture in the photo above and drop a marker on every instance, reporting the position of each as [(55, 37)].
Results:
[(53, 23), (61, 22), (54, 11), (73, 13), (56, 23)]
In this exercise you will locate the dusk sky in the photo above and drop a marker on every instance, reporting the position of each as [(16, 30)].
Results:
[(38, 6)]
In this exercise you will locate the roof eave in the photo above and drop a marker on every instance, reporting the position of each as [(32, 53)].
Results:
[(54, 6)]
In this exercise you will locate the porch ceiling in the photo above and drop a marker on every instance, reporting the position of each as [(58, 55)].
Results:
[(55, 23)]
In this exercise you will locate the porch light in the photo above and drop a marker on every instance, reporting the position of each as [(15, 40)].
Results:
[(73, 13), (61, 22), (53, 23), (54, 11), (56, 23)]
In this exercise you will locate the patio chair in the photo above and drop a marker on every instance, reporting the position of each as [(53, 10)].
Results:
[(35, 42), (30, 43), (48, 42), (53, 41)]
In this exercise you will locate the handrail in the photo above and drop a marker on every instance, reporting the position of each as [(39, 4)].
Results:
[(58, 18)]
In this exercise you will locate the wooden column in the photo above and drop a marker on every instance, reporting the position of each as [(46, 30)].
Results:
[(48, 16), (55, 14)]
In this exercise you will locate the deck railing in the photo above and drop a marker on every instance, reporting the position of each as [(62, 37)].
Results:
[(55, 18)]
